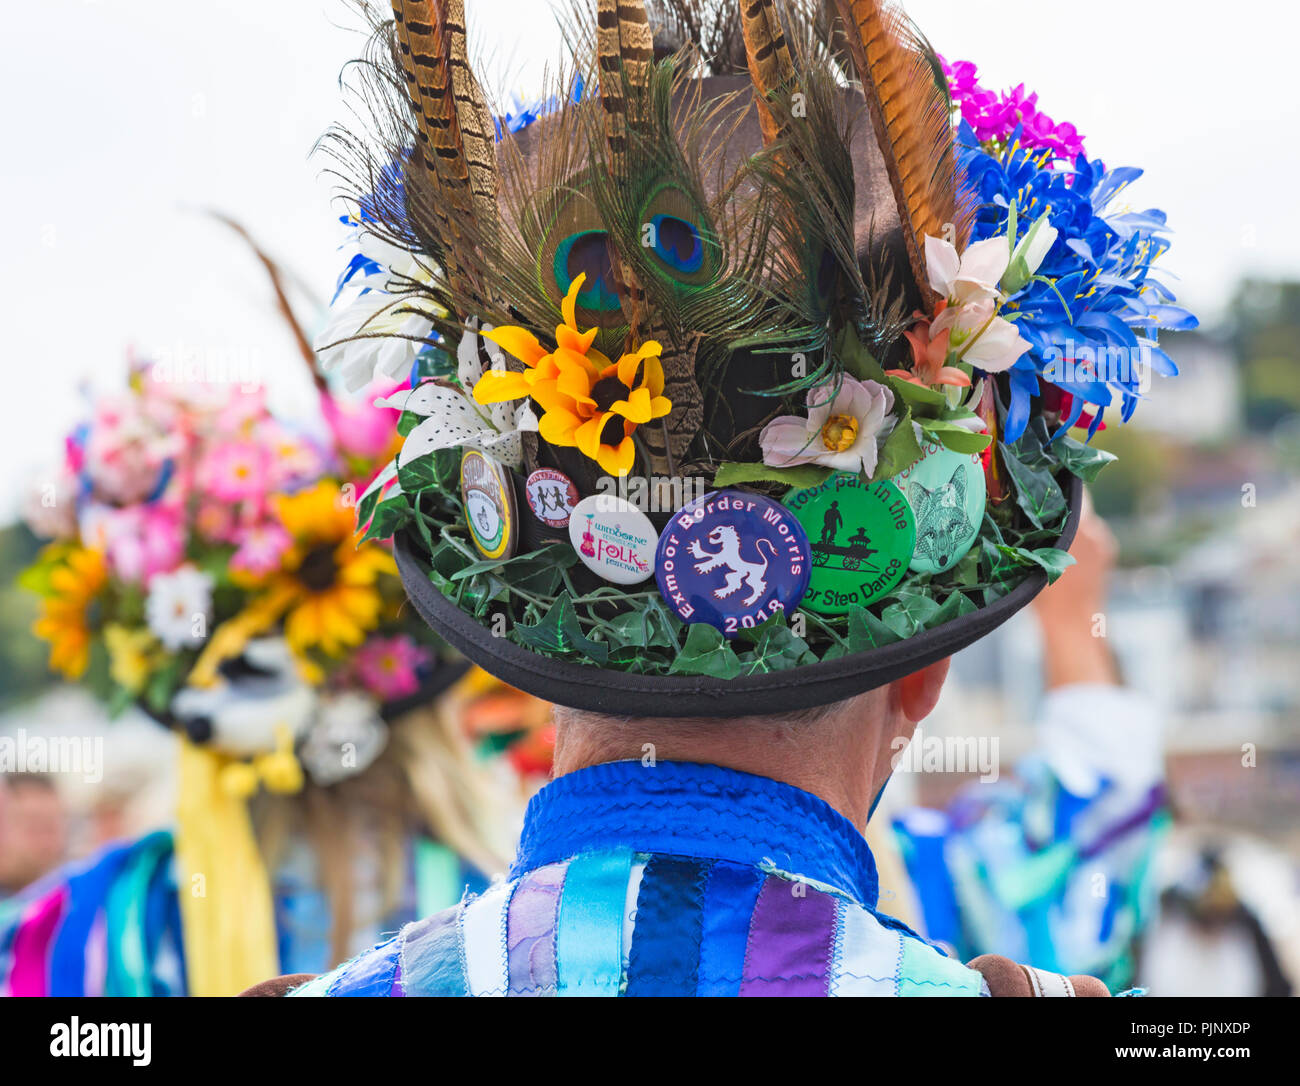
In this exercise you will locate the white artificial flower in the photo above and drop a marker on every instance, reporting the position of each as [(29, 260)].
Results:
[(972, 277), (179, 606), (390, 334), (454, 420), (987, 342)]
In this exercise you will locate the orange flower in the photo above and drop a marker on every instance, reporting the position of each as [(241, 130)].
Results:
[(929, 356), (587, 401)]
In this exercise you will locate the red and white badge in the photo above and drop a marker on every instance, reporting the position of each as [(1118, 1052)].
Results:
[(551, 497)]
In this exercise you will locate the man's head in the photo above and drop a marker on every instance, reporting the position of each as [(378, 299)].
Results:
[(840, 752), (33, 829)]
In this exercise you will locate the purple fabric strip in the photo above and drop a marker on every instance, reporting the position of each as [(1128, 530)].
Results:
[(531, 922), (791, 941)]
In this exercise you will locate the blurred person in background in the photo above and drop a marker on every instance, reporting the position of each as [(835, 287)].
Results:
[(33, 830), (1208, 941), (1052, 865)]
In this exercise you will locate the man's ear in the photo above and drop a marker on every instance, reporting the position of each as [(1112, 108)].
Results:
[(918, 693)]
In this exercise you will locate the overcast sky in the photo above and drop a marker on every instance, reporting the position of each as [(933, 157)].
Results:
[(121, 116)]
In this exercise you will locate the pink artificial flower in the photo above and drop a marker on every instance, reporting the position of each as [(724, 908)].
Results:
[(360, 429), (294, 460), (994, 117), (234, 471), (841, 431), (261, 548), (388, 666), (139, 542), (125, 452), (216, 522)]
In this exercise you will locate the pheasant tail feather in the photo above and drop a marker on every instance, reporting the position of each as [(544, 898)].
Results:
[(911, 113)]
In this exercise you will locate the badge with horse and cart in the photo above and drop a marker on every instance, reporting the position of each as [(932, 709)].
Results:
[(862, 537)]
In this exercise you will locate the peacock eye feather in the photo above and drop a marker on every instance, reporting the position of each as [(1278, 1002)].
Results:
[(587, 253), (675, 234), (577, 243)]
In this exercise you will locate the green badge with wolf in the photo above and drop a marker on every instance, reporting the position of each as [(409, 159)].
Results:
[(947, 493), (862, 538)]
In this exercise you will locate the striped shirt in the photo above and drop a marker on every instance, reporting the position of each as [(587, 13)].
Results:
[(671, 879)]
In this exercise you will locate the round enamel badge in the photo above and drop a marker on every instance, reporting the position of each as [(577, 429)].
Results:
[(947, 492), (551, 497), (733, 560), (862, 539), (614, 539), (489, 499)]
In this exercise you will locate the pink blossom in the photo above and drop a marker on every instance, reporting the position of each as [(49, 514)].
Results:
[(360, 429), (261, 548), (845, 420), (234, 471), (139, 541), (994, 116), (388, 666)]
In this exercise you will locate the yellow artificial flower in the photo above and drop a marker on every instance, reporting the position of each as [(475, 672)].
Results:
[(74, 585), (329, 580), (326, 588), (587, 401), (130, 656)]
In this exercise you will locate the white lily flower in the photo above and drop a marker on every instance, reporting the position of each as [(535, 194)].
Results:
[(453, 420), (985, 341), (971, 277)]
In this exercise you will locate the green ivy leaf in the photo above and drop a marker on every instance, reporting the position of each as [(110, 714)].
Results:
[(706, 652), (560, 633), (867, 632), (911, 615), (800, 476), (1085, 461), (390, 518), (900, 450), (775, 648), (1038, 494)]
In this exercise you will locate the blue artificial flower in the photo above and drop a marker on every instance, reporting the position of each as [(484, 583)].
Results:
[(1093, 312)]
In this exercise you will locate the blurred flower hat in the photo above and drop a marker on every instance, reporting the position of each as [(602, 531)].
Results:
[(205, 565), (755, 367)]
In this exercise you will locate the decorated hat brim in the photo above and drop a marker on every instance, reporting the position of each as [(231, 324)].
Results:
[(617, 693)]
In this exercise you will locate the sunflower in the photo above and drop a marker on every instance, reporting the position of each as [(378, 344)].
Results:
[(329, 583), (587, 401), (73, 585)]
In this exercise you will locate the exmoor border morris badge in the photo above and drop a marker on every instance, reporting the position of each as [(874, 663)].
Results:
[(733, 560), (862, 539), (489, 497)]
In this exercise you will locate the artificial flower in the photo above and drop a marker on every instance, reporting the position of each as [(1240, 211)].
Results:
[(178, 607), (327, 584), (132, 655), (971, 277), (929, 352), (261, 548), (389, 666), (139, 541), (453, 420), (235, 471), (979, 337), (75, 583), (587, 401), (380, 333), (842, 430)]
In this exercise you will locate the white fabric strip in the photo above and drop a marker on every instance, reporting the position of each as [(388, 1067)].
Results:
[(483, 926)]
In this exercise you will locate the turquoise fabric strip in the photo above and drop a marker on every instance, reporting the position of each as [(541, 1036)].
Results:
[(589, 941)]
